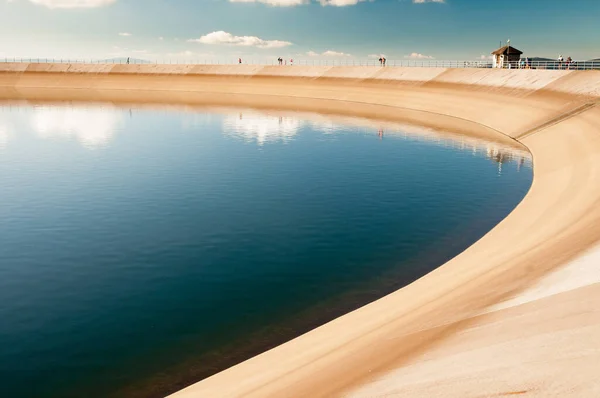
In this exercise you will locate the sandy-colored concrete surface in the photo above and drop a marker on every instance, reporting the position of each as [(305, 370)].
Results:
[(475, 326)]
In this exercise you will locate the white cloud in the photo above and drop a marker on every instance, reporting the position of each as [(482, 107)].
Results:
[(486, 57), (330, 53), (125, 34), (293, 3), (73, 3), (340, 3), (5, 134), (418, 56), (376, 56), (161, 38), (221, 37), (428, 1), (274, 3), (91, 127), (261, 128)]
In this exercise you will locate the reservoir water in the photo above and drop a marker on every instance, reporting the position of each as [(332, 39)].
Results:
[(142, 250)]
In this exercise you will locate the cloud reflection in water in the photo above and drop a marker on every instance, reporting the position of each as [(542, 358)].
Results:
[(92, 127), (261, 128), (5, 133)]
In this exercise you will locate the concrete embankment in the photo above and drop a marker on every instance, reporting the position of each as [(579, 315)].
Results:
[(414, 341)]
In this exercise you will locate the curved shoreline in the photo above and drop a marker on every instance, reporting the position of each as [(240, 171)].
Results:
[(558, 219)]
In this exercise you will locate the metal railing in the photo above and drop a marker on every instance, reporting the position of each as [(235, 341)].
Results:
[(484, 64), (552, 65)]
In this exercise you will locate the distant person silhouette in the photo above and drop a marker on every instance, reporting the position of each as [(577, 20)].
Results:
[(239, 60), (127, 60)]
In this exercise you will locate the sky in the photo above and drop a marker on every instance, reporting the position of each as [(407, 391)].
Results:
[(299, 29)]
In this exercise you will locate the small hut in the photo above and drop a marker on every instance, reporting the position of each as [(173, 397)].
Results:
[(506, 55)]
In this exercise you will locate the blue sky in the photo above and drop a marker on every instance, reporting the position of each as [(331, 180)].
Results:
[(302, 29)]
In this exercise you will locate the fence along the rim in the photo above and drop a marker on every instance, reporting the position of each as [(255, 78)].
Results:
[(424, 63)]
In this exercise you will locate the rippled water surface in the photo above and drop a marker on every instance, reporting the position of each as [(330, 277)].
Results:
[(142, 250)]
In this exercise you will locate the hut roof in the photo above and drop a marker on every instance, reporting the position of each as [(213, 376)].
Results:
[(505, 50)]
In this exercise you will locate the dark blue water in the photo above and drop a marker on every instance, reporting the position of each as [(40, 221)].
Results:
[(143, 250)]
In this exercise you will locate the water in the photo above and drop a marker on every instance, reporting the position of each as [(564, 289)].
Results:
[(143, 250)]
